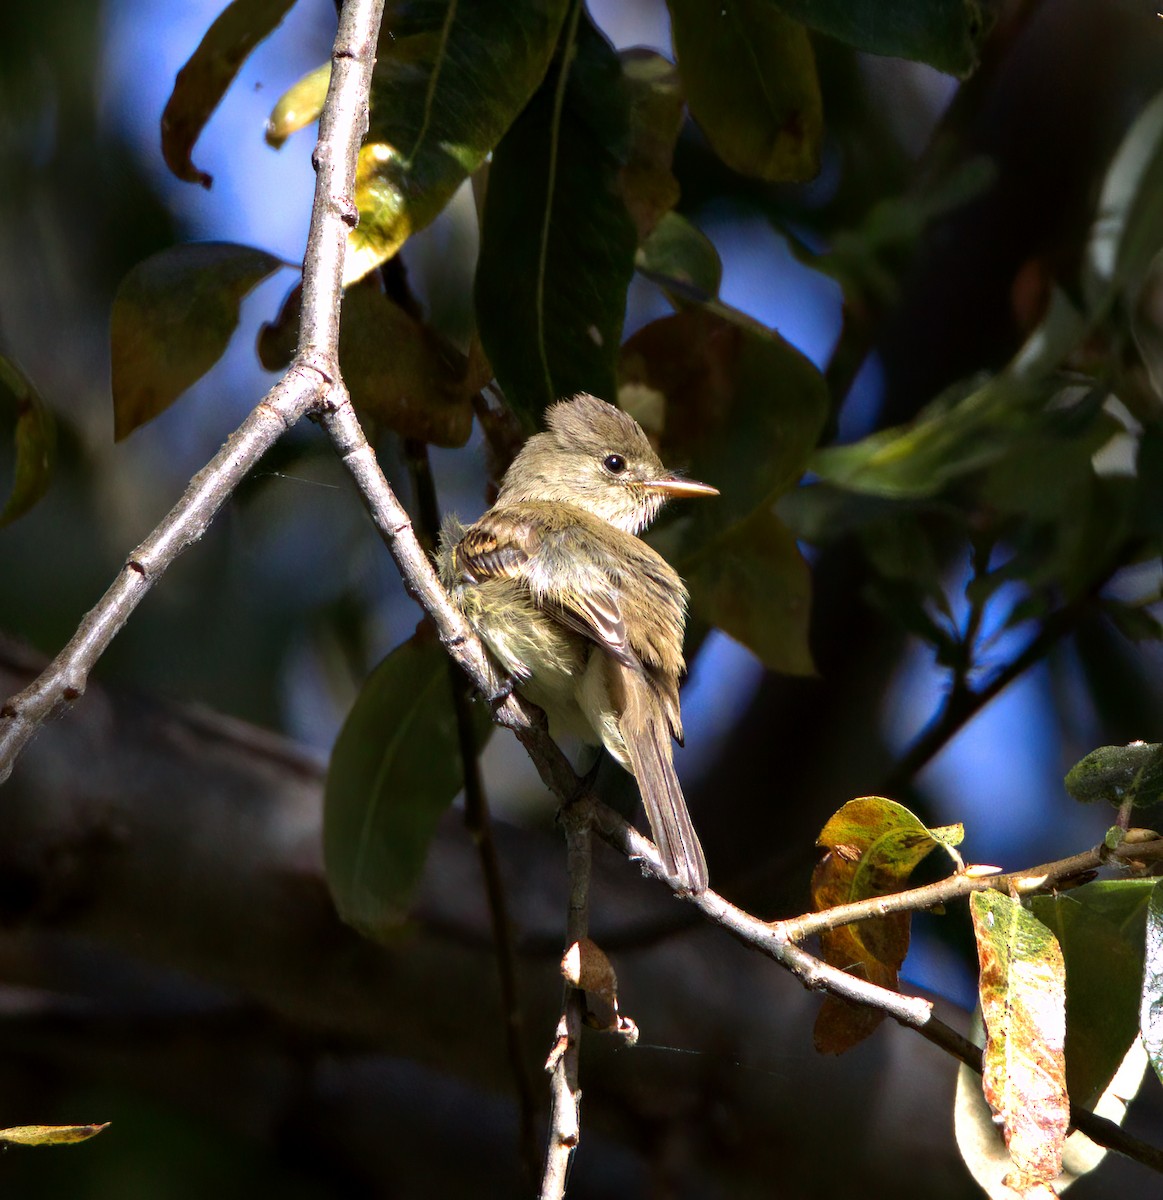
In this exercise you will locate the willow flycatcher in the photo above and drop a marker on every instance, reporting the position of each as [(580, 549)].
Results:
[(586, 618)]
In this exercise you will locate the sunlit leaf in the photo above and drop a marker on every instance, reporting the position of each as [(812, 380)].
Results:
[(753, 584), (173, 316), (1117, 774), (1023, 1003), (678, 252), (203, 81), (394, 771), (557, 242), (946, 34), (873, 846), (449, 81), (35, 441), (1100, 929), (655, 100), (749, 74), (298, 106), (49, 1135), (982, 1143), (1151, 999)]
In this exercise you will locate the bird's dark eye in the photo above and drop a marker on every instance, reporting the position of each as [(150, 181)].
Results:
[(614, 463)]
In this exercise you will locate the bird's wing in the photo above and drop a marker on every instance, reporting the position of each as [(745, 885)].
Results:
[(517, 542)]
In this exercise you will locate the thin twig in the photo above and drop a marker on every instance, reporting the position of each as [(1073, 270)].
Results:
[(304, 387), (562, 1065), (478, 822), (914, 1012)]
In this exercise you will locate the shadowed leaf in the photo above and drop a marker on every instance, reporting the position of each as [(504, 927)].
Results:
[(1023, 1004), (394, 771), (946, 34), (750, 79), (203, 81), (1100, 929), (173, 316), (872, 845), (678, 252), (557, 243), (754, 585), (655, 100), (35, 440)]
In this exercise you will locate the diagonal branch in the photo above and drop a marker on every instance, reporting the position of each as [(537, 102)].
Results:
[(303, 388)]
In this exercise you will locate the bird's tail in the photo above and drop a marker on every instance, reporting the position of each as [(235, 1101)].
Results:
[(646, 733)]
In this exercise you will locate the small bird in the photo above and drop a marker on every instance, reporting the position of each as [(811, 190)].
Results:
[(586, 619)]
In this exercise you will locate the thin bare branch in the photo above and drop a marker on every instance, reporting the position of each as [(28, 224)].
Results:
[(562, 1064)]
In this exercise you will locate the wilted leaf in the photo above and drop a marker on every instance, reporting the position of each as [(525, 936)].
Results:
[(449, 81), (1023, 1002), (557, 243), (35, 440), (749, 74), (1100, 929), (677, 252), (49, 1135), (394, 771), (655, 100), (982, 1144), (173, 316), (946, 34), (1117, 774), (1151, 1000), (873, 846), (203, 81), (754, 585)]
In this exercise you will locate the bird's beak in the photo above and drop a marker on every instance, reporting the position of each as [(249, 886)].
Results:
[(674, 485)]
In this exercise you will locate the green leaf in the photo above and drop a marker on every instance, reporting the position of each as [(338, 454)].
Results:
[(754, 585), (394, 771), (173, 316), (450, 79), (655, 100), (203, 81), (873, 847), (1023, 1003), (49, 1135), (1100, 929), (1128, 225), (946, 34), (951, 437), (557, 242), (1151, 1000), (35, 440), (1117, 774), (298, 106), (676, 252), (749, 74)]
